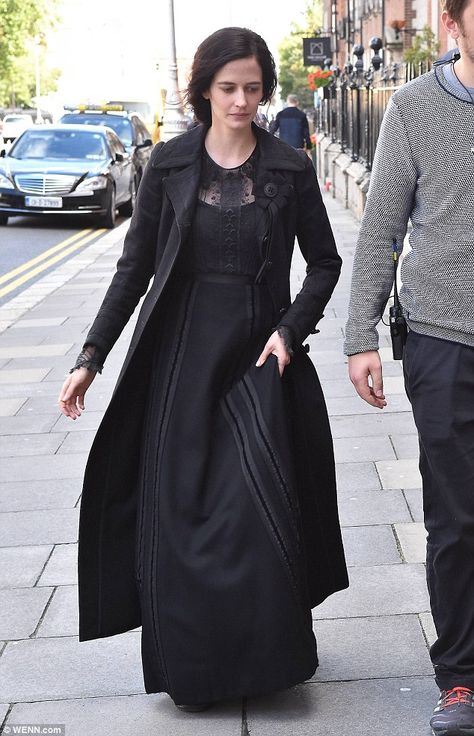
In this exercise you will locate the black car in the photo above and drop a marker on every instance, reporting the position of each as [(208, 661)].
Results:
[(129, 127), (68, 170)]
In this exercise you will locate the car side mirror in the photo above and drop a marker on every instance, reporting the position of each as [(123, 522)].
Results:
[(119, 158)]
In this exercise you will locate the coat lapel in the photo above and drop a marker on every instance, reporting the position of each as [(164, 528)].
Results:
[(182, 191)]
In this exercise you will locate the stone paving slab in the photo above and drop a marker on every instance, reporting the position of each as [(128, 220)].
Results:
[(45, 526), (355, 405), (337, 388), (61, 568), (393, 385), (57, 668), (370, 545), (26, 324), (41, 388), (373, 425), (372, 647), (356, 477), (412, 539), (88, 420), (414, 497), (3, 710), (10, 407), (348, 449), (77, 442), (31, 444), (20, 611), (21, 567), (346, 709), (25, 425), (406, 446), (399, 473), (131, 715), (372, 507), (380, 590), (35, 351), (40, 494), (428, 626), (43, 468), (12, 339), (31, 375), (62, 615), (58, 367)]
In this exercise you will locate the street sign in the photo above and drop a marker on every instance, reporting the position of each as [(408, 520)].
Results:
[(315, 50)]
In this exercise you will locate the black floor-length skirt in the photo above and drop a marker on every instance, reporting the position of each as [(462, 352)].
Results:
[(219, 560)]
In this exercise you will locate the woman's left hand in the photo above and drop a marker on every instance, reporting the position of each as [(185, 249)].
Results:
[(275, 346)]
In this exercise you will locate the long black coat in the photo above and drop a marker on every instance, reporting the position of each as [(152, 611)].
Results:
[(290, 204)]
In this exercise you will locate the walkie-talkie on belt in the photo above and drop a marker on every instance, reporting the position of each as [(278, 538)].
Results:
[(398, 325)]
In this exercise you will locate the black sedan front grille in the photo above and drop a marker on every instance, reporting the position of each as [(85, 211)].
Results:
[(47, 184)]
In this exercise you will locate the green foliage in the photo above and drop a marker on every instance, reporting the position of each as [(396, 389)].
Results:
[(20, 22), (424, 48), (293, 75)]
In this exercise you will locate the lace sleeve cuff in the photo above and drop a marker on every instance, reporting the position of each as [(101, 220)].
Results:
[(286, 334), (90, 357)]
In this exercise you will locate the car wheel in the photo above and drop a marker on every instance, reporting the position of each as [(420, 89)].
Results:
[(127, 209), (3, 219), (109, 219)]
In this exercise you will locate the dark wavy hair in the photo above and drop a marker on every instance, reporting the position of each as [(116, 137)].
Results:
[(455, 8), (218, 49)]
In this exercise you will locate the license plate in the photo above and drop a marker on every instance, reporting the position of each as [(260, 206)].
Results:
[(44, 202)]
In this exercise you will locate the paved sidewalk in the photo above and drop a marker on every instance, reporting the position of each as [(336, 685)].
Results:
[(375, 677)]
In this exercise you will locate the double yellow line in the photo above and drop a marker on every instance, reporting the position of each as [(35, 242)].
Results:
[(49, 257)]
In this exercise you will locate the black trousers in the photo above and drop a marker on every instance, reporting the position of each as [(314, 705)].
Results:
[(439, 380)]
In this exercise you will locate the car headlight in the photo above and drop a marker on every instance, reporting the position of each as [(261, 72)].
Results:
[(5, 182), (93, 182)]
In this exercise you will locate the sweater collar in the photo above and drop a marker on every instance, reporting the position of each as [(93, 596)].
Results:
[(449, 83)]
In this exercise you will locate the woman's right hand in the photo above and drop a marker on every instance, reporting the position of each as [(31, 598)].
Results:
[(71, 396)]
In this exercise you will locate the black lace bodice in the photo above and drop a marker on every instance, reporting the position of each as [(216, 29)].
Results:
[(223, 234)]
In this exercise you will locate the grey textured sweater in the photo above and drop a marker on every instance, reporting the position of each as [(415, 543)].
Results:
[(424, 172)]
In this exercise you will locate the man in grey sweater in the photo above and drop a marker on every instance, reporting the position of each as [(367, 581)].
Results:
[(424, 172)]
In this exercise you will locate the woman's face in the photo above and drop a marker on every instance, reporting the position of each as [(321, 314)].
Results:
[(235, 93)]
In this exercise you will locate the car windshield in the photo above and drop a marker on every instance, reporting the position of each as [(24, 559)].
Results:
[(16, 119), (120, 125), (63, 145)]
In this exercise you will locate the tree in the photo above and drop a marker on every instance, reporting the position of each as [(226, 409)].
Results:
[(425, 48), (20, 23), (293, 75)]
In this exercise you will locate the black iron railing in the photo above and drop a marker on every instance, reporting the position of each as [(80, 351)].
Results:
[(353, 105)]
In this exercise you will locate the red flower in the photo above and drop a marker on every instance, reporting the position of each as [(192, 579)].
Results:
[(319, 78)]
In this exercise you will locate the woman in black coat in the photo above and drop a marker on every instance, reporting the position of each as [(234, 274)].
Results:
[(208, 513)]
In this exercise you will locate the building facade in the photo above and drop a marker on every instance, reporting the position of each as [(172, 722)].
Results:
[(396, 22)]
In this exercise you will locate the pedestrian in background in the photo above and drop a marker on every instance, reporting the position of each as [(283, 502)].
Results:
[(424, 171), (292, 125), (208, 512)]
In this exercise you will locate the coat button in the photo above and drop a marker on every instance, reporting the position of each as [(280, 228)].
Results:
[(283, 310), (269, 264), (270, 189)]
